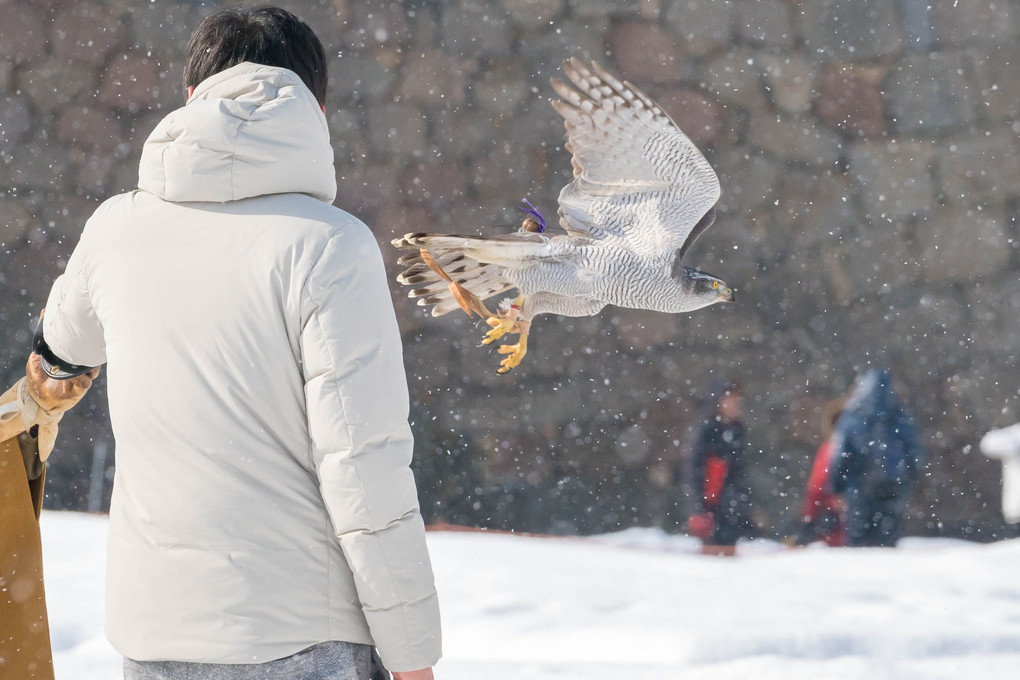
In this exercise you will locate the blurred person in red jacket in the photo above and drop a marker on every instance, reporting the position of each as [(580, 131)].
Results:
[(722, 496), (822, 512)]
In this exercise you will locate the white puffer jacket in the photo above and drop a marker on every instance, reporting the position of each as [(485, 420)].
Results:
[(263, 501)]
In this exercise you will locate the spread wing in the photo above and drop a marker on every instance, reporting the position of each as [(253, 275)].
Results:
[(637, 177)]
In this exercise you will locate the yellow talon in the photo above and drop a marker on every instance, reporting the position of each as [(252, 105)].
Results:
[(500, 327), (505, 323), (515, 354)]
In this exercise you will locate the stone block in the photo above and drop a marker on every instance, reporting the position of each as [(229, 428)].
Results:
[(850, 100), (705, 25), (536, 124), (975, 22), (645, 53), (916, 15), (641, 330), (131, 82), (813, 208), (475, 28), (90, 126), (895, 177), (795, 138), (959, 243), (398, 129), (875, 260), (54, 83), (696, 113), (16, 222), (980, 167), (15, 120), (23, 37), (362, 75), (533, 13), (40, 163), (915, 330), (462, 131), (434, 184), (375, 23), (435, 78), (995, 306), (721, 326), (789, 81), (601, 8), (501, 86), (931, 93), (86, 31), (164, 28), (424, 28), (544, 51), (505, 174), (766, 23), (748, 177), (346, 133), (171, 93), (736, 78), (997, 79), (851, 29), (365, 187), (95, 169), (983, 390)]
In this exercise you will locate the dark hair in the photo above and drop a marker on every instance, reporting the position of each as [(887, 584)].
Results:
[(267, 35)]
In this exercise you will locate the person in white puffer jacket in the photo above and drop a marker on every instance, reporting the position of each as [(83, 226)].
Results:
[(1004, 444), (264, 519)]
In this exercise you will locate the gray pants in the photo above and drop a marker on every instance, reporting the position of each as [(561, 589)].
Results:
[(325, 661)]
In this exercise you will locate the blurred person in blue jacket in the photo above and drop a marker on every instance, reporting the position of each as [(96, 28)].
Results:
[(876, 460)]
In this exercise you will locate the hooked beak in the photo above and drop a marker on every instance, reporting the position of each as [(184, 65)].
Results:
[(726, 294)]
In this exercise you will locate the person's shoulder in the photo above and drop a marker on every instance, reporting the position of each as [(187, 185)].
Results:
[(320, 219), (106, 214)]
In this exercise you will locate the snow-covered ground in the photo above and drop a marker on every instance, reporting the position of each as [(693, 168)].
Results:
[(640, 605)]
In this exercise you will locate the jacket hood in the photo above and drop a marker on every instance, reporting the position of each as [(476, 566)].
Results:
[(251, 130), (873, 395)]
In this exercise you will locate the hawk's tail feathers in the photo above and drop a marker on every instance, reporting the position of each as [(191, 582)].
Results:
[(460, 257)]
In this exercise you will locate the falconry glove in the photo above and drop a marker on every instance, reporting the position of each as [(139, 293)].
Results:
[(38, 401), (31, 416)]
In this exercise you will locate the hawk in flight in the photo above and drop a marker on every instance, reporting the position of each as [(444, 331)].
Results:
[(642, 193)]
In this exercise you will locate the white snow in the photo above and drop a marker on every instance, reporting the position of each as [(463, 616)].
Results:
[(641, 605)]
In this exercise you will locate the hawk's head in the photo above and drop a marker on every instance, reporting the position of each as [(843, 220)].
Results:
[(705, 288)]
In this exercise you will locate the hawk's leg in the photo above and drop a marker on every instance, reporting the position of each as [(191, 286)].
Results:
[(515, 353), (520, 314), (505, 322)]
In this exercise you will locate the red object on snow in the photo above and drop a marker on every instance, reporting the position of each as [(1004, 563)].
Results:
[(701, 525)]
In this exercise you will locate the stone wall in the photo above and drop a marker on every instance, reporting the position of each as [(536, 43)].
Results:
[(868, 154)]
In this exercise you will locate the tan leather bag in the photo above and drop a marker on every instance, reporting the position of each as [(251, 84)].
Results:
[(24, 628)]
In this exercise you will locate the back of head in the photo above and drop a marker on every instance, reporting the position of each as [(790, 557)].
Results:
[(270, 36)]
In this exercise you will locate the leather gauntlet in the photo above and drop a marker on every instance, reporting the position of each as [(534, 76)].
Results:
[(37, 402)]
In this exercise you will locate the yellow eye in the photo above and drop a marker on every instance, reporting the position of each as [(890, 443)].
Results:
[(715, 285)]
